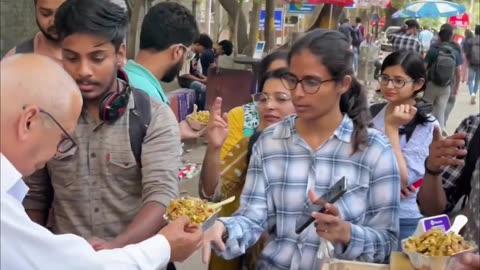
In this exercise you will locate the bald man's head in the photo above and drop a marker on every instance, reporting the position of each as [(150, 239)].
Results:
[(35, 92)]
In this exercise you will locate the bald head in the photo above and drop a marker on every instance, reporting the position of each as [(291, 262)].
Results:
[(33, 86), (36, 79)]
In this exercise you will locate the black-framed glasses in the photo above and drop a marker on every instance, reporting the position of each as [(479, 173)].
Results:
[(262, 99), (396, 82), (310, 84), (67, 143)]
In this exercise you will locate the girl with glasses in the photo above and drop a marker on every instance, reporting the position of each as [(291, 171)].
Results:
[(303, 156), (273, 104), (410, 130)]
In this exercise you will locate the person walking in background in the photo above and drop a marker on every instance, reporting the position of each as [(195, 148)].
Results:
[(425, 38), (358, 36), (406, 38), (443, 62), (369, 52), (472, 53)]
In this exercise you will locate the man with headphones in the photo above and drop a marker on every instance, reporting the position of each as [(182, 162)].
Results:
[(99, 189)]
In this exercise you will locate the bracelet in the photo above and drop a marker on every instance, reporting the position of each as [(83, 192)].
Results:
[(430, 172)]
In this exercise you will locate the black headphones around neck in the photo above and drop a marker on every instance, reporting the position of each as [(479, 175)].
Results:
[(114, 104)]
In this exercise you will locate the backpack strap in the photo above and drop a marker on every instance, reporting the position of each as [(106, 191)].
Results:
[(473, 153), (376, 108), (407, 130), (140, 117), (25, 47)]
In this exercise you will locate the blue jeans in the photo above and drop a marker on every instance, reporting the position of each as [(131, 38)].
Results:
[(473, 79), (407, 229), (200, 90), (355, 58)]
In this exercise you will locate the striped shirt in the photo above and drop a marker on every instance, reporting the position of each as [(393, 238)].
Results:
[(283, 168), (97, 188)]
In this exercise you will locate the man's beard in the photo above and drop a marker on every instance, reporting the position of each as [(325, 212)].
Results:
[(173, 72), (46, 33)]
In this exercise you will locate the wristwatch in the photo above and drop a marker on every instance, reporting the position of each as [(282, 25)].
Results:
[(430, 172)]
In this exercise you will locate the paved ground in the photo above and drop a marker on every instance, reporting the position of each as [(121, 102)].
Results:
[(196, 150)]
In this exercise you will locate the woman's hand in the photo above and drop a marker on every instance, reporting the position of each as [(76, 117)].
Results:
[(217, 127), (401, 115), (329, 225)]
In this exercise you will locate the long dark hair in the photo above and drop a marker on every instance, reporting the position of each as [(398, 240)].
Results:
[(269, 59), (333, 51), (413, 65)]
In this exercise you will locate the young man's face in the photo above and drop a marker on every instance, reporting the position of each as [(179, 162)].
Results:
[(93, 62), (218, 50), (45, 16), (197, 48)]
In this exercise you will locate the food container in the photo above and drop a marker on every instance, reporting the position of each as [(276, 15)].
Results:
[(207, 223), (439, 223), (195, 125), (420, 260)]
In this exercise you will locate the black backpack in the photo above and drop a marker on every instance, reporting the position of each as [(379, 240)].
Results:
[(442, 70), (356, 37), (407, 130)]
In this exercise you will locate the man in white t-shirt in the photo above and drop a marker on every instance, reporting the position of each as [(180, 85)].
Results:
[(36, 122)]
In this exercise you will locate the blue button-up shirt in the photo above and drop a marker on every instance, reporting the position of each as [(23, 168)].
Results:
[(282, 169)]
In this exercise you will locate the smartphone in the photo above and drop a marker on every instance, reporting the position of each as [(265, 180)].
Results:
[(331, 196)]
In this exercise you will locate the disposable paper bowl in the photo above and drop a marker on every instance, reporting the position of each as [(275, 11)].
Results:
[(207, 223), (195, 125), (420, 260)]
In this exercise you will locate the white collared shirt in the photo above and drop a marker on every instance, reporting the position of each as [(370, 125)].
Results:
[(27, 245)]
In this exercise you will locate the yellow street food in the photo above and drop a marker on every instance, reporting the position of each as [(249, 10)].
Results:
[(437, 243), (195, 209), (201, 117)]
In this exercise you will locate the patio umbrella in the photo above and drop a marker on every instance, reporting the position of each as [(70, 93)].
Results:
[(433, 9), (402, 14)]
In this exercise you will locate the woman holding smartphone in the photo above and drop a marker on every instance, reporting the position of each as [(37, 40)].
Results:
[(307, 153), (410, 130)]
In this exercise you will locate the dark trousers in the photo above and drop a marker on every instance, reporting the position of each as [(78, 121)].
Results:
[(171, 266)]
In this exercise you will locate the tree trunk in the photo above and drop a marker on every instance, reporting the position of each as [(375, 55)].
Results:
[(233, 9), (269, 25), (132, 31), (254, 23), (323, 18)]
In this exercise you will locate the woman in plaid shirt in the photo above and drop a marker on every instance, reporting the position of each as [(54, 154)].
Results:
[(307, 153)]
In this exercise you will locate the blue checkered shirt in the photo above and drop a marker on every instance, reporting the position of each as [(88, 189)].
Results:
[(282, 169), (407, 42)]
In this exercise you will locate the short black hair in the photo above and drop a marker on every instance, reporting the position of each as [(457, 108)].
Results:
[(227, 46), (205, 41), (358, 20), (97, 17), (412, 24), (167, 24), (477, 30), (446, 34)]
